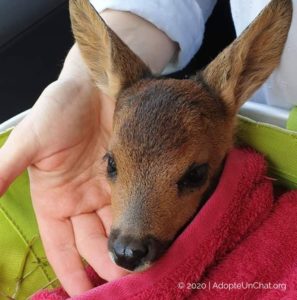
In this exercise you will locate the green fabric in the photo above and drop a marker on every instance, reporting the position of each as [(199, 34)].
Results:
[(18, 229), (292, 121), (277, 144)]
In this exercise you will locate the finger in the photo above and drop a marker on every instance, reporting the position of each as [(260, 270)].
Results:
[(105, 216), (92, 245), (16, 154), (59, 244)]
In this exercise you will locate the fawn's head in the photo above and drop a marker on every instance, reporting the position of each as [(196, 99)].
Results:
[(170, 137)]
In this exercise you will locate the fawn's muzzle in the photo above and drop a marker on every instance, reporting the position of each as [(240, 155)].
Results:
[(134, 254)]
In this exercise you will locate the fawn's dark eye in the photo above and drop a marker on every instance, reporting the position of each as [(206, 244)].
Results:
[(111, 166), (194, 177)]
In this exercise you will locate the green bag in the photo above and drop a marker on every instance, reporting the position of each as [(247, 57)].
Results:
[(23, 266), (277, 144)]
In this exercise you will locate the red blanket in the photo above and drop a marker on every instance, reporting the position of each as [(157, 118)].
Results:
[(241, 245)]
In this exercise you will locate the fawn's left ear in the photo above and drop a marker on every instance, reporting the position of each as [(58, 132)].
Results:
[(112, 64), (243, 67)]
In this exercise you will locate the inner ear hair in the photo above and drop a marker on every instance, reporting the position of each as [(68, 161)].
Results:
[(112, 65), (243, 67)]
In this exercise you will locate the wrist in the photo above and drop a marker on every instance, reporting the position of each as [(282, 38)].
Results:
[(75, 70), (151, 44), (75, 77)]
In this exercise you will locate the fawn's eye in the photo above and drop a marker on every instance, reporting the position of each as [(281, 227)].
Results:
[(111, 166), (194, 177)]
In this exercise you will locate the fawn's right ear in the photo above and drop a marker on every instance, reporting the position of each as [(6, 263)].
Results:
[(242, 67), (112, 64)]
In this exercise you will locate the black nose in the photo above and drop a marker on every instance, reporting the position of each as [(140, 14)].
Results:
[(128, 253)]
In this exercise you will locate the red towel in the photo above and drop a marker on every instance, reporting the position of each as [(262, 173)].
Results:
[(240, 236)]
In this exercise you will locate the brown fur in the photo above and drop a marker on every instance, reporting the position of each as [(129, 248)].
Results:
[(162, 127), (166, 127), (112, 64), (242, 67)]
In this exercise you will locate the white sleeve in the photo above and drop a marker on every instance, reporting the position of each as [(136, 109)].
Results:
[(182, 20)]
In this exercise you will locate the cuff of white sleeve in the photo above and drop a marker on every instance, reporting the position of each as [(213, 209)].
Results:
[(182, 21)]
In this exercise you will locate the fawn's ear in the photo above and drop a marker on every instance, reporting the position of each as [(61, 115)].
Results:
[(112, 64), (243, 67)]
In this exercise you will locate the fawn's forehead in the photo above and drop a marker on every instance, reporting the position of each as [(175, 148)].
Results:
[(156, 116)]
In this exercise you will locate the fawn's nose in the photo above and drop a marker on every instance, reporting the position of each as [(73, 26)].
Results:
[(129, 254)]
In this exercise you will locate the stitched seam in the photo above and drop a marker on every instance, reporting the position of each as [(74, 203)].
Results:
[(282, 131), (284, 173), (23, 238)]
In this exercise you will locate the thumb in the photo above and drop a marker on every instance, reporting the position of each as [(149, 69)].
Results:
[(17, 154)]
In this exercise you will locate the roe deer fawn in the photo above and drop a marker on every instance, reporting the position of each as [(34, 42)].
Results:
[(170, 137)]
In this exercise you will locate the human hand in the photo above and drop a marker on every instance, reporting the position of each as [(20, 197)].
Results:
[(63, 140)]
